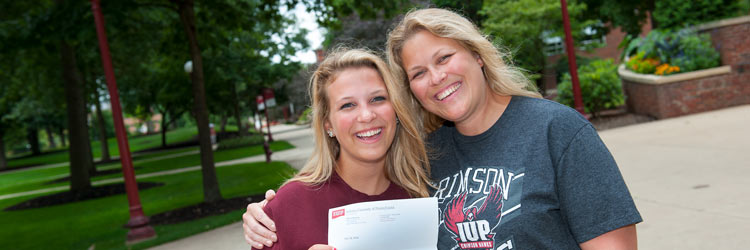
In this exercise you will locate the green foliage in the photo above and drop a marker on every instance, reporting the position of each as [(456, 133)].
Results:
[(685, 49), (562, 68), (743, 7), (628, 15), (521, 26), (240, 142), (468, 8), (600, 87), (305, 117), (697, 53), (330, 13), (642, 65), (670, 14)]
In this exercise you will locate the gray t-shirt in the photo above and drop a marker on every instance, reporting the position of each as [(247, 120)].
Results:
[(539, 178)]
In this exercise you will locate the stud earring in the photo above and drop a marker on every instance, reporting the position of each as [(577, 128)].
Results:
[(330, 133)]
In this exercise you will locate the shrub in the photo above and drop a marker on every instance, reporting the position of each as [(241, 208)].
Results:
[(697, 53), (240, 142), (561, 66), (600, 87), (672, 14), (305, 117)]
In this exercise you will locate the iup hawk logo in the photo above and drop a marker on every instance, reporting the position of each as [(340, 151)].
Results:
[(472, 227)]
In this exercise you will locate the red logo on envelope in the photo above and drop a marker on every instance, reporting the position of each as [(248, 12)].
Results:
[(337, 213)]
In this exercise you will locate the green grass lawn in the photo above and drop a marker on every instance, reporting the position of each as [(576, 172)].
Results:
[(136, 143), (38, 178), (99, 222)]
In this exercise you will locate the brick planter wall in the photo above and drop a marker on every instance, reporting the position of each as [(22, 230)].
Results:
[(664, 97)]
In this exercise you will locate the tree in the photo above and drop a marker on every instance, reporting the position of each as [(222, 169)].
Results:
[(524, 24), (101, 127), (672, 14), (246, 15), (31, 97), (469, 9), (628, 15), (80, 146), (61, 23)]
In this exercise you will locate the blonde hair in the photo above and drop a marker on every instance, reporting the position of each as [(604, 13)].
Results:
[(406, 164), (503, 78)]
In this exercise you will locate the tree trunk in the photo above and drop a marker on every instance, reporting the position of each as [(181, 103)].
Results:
[(164, 129), (102, 128), (223, 123), (240, 128), (243, 132), (50, 137), (92, 167), (32, 135), (211, 191), (3, 160), (80, 158), (62, 137)]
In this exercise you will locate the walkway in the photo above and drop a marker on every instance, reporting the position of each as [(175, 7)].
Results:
[(687, 176)]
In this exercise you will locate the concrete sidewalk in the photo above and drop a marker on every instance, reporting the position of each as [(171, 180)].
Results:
[(688, 178), (686, 175)]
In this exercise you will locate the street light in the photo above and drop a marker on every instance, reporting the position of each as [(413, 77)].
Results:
[(188, 67), (138, 224), (577, 99)]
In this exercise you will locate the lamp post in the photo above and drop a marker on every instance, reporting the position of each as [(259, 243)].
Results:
[(266, 148), (578, 101), (140, 229), (268, 120)]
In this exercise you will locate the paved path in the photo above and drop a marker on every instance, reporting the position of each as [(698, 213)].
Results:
[(687, 176)]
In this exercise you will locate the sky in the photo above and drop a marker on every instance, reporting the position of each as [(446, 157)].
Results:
[(314, 36)]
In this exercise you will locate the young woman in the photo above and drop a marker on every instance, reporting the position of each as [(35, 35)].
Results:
[(367, 149), (511, 170)]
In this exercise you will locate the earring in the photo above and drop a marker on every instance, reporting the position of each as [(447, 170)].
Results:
[(398, 121), (330, 133)]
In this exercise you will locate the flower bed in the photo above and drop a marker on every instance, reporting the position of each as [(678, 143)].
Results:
[(696, 91)]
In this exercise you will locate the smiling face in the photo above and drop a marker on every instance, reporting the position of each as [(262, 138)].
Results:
[(361, 115), (445, 77)]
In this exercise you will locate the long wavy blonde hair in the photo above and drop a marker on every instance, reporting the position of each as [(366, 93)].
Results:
[(406, 164), (503, 78)]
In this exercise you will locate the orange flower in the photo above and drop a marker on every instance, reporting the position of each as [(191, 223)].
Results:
[(662, 69)]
